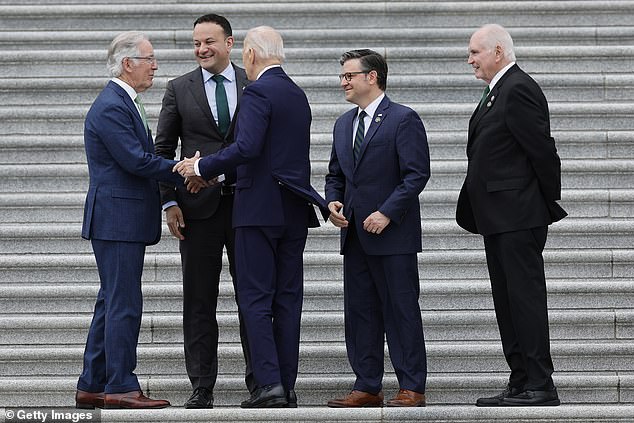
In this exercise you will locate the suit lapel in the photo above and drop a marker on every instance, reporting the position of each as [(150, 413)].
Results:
[(135, 112), (375, 123), (478, 113), (197, 90)]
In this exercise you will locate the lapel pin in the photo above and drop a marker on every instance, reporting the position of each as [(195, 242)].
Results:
[(378, 118), (490, 103)]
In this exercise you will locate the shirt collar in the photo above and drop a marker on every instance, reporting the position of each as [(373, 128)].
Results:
[(267, 68), (371, 109), (499, 75), (229, 73), (128, 89)]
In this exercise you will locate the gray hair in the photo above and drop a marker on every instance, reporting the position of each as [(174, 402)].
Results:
[(497, 35), (266, 42), (124, 45)]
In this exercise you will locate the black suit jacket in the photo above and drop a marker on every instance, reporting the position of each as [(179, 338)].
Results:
[(185, 114), (514, 173)]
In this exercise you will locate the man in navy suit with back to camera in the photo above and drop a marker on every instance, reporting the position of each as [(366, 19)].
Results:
[(509, 197), (273, 208), (122, 216), (378, 166)]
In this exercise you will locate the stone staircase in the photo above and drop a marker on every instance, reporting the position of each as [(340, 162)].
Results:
[(52, 65)]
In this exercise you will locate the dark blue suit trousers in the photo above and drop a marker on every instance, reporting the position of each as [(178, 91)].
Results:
[(116, 321)]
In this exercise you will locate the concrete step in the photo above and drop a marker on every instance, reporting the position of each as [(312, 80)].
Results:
[(568, 116), (433, 265), (68, 207), (469, 292), (303, 14), (326, 89), (443, 145), (299, 37), (598, 389), (438, 235), (446, 175), (318, 326), (327, 359), (311, 61)]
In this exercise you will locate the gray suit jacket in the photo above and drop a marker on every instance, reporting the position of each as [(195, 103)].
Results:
[(185, 114)]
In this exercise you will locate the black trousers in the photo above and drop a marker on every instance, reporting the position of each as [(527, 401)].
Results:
[(201, 256), (518, 283)]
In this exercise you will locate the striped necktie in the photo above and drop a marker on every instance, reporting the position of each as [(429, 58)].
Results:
[(358, 139)]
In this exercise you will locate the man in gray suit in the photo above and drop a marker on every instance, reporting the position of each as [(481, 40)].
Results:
[(200, 109)]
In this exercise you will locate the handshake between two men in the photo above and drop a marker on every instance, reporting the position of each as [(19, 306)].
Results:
[(194, 183)]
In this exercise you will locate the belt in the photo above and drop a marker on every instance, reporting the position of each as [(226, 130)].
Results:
[(227, 190)]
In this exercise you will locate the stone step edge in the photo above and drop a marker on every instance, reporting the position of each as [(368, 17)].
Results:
[(305, 6), (566, 413), (476, 348), (50, 320)]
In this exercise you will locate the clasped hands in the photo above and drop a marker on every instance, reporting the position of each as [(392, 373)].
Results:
[(375, 223), (193, 182)]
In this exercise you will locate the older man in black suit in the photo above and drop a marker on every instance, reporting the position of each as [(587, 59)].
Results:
[(200, 108), (509, 196)]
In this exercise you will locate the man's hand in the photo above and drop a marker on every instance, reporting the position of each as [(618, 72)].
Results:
[(336, 217), (175, 221), (376, 222), (186, 166), (195, 183)]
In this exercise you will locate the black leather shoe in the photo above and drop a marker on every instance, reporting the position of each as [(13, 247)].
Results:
[(496, 401), (269, 396), (201, 398), (291, 399), (533, 398)]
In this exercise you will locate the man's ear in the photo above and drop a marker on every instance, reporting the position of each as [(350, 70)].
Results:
[(373, 77)]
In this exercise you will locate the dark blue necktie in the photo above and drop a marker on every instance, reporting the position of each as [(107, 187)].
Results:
[(358, 139)]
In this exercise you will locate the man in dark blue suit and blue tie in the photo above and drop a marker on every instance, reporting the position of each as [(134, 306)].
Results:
[(271, 214), (378, 167), (121, 216)]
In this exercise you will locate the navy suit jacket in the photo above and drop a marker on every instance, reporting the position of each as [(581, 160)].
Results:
[(270, 152), (391, 171), (123, 202), (514, 174)]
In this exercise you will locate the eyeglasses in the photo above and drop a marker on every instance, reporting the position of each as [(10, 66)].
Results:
[(348, 75), (150, 60)]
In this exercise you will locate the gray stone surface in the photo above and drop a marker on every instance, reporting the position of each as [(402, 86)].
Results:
[(52, 65)]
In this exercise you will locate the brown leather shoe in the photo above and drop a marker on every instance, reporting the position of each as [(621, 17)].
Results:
[(358, 399), (407, 398), (88, 400), (134, 399)]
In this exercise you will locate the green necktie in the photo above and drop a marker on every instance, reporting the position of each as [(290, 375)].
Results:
[(139, 103), (222, 105), (358, 139), (486, 92)]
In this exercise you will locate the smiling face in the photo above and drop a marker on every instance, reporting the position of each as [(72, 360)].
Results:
[(485, 57), (212, 47), (361, 89)]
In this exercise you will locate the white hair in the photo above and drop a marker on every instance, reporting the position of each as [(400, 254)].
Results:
[(495, 35), (266, 42), (124, 45)]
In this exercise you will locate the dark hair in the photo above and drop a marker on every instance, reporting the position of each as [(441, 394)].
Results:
[(370, 61), (218, 20)]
